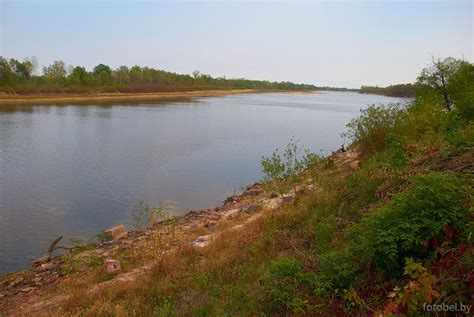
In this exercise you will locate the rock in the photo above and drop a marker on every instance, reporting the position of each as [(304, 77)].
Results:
[(273, 195), (191, 226), (112, 266), (250, 209), (32, 299), (232, 214), (16, 282), (252, 192), (37, 280), (28, 289), (231, 199), (303, 191), (286, 198), (116, 233), (355, 165), (127, 242), (48, 266), (202, 241), (210, 225)]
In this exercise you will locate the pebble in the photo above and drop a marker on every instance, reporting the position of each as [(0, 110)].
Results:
[(28, 289), (112, 266), (210, 225), (250, 209)]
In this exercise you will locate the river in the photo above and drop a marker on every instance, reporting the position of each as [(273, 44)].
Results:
[(74, 170)]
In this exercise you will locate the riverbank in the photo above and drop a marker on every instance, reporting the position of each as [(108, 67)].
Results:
[(88, 98), (49, 284), (255, 244)]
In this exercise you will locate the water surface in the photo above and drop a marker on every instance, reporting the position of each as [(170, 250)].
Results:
[(75, 170)]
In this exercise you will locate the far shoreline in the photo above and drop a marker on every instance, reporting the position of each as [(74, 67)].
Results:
[(53, 99)]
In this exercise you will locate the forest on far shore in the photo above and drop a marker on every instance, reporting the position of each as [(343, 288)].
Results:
[(22, 77), (400, 90)]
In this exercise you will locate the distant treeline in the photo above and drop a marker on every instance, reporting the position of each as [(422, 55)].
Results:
[(401, 90), (19, 77)]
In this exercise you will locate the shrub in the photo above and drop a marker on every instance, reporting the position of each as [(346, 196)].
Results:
[(283, 173), (339, 269), (283, 282), (422, 217), (413, 224), (377, 176), (417, 292), (144, 215), (371, 128), (462, 90), (426, 115)]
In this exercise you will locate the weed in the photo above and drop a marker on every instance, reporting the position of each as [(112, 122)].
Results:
[(144, 215)]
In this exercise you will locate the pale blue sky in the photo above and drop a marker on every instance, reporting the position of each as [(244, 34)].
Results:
[(347, 43)]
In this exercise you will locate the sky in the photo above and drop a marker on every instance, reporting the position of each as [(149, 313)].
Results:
[(326, 43)]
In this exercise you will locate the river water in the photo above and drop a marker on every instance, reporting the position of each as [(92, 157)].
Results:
[(75, 170)]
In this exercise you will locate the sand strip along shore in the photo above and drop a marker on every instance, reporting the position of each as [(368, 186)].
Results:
[(42, 99)]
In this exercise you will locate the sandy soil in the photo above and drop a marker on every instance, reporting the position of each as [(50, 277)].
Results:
[(125, 97)]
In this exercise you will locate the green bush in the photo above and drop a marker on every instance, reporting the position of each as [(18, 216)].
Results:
[(381, 172), (404, 227), (370, 130), (282, 174), (462, 90), (426, 115), (339, 269), (285, 282), (411, 225), (144, 215)]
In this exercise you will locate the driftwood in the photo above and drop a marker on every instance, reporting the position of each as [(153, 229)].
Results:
[(48, 255)]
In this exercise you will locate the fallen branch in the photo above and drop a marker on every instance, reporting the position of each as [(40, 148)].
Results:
[(48, 255)]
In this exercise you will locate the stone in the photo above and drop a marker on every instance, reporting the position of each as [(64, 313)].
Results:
[(127, 242), (202, 241), (210, 225), (286, 198), (193, 226), (250, 209), (252, 192), (112, 266), (28, 289), (232, 214), (303, 191), (16, 282), (355, 165), (33, 299), (116, 233), (48, 266)]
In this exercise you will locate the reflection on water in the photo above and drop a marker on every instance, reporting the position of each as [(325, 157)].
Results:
[(74, 170)]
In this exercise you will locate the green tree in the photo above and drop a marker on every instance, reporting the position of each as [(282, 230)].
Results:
[(79, 76), (136, 74), (7, 75), (122, 75), (437, 77), (55, 71), (462, 89), (103, 74), (22, 70)]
